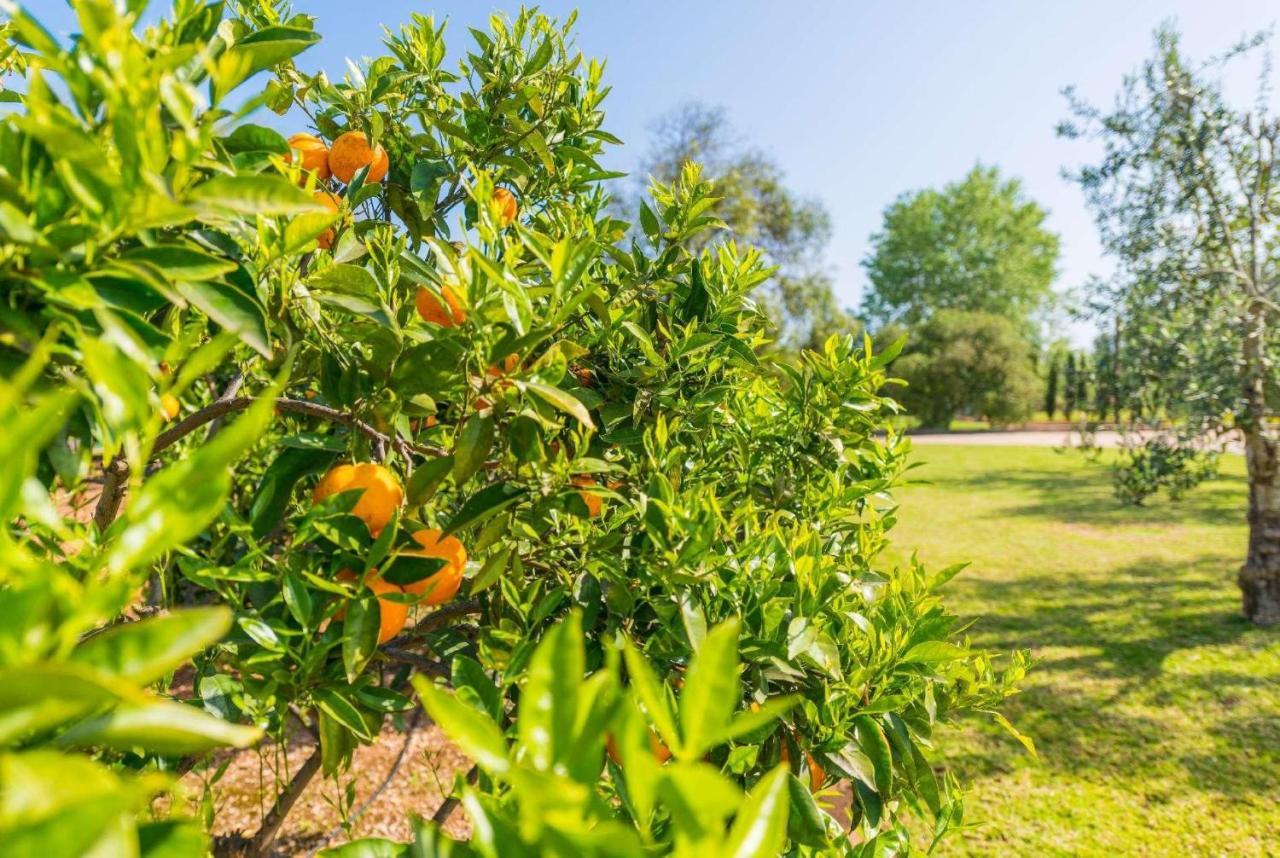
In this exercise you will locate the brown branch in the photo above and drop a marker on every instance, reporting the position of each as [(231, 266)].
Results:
[(284, 803), (117, 473), (421, 662), (115, 477), (447, 807)]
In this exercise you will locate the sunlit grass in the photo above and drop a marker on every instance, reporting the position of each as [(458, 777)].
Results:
[(1155, 707)]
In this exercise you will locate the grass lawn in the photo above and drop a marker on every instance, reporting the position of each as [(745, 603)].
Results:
[(1155, 707)]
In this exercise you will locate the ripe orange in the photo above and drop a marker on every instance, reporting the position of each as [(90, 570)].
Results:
[(660, 751), (595, 503), (315, 154), (507, 365), (508, 208), (380, 499), (431, 310), (443, 585), (351, 151), (817, 776), (170, 406), (391, 615), (333, 203)]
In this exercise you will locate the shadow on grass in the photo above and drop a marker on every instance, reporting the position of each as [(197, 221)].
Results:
[(1083, 496), (1103, 701)]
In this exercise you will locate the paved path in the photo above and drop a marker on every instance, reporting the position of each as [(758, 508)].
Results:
[(1026, 438)]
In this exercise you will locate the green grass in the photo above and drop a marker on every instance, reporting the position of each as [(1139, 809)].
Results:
[(1154, 705)]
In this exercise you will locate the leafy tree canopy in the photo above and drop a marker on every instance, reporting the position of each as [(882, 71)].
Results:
[(977, 363), (756, 204), (976, 245)]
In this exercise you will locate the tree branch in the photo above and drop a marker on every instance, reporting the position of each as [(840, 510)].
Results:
[(284, 803), (447, 807), (117, 472)]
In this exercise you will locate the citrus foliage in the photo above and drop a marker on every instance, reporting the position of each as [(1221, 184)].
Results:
[(311, 405)]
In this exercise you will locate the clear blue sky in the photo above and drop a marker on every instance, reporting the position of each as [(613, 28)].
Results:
[(857, 101)]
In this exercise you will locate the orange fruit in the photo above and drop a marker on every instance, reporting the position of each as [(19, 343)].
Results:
[(443, 585), (170, 406), (660, 751), (595, 503), (314, 154), (333, 203), (508, 208), (380, 498), (351, 151), (391, 615), (817, 776), (432, 310), (506, 365)]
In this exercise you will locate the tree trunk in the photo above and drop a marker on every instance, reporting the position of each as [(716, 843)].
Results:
[(1260, 576)]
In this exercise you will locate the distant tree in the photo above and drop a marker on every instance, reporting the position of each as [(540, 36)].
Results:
[(976, 363), (976, 245), (1083, 379), (759, 208), (1187, 201), (1069, 400), (1051, 386)]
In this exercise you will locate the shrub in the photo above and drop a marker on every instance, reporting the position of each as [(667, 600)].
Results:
[(661, 534), (976, 363)]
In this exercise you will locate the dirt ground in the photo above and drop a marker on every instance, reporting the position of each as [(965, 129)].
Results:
[(326, 814)]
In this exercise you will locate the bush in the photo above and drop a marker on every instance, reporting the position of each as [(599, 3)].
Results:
[(301, 422), (972, 363)]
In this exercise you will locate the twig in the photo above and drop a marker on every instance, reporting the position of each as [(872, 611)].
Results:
[(229, 392), (386, 782), (114, 479), (116, 474), (421, 662), (446, 809), (284, 803)]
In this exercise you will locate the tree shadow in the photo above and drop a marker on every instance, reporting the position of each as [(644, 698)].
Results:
[(1103, 700), (1084, 496)]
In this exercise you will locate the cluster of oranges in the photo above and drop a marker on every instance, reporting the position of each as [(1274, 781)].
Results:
[(349, 154), (380, 496)]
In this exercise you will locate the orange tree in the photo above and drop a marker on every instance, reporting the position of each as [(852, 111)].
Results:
[(393, 413)]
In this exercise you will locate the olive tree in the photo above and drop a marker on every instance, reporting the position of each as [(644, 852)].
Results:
[(1186, 201)]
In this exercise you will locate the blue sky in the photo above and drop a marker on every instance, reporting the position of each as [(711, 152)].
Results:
[(857, 101)]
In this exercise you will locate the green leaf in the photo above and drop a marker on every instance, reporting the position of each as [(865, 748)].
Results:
[(163, 727), (474, 733), (175, 504), (874, 744), (44, 789), (760, 828), (145, 651), (934, 652), (255, 138), (275, 489), (710, 692), (805, 823), (342, 709), (474, 443), (697, 301), (232, 309), (426, 479), (181, 261), (549, 698), (699, 798), (171, 839), (559, 399), (772, 709), (360, 633), (485, 504), (368, 847), (253, 195), (650, 692)]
